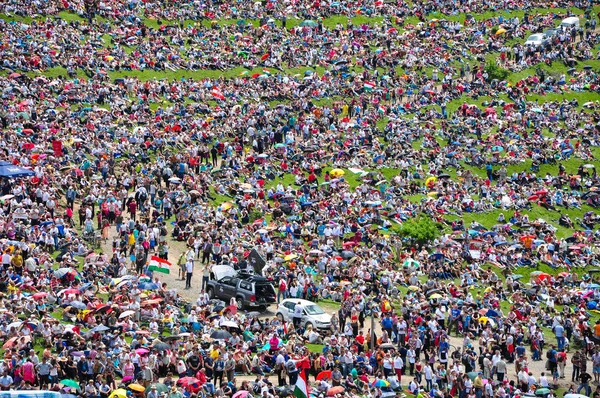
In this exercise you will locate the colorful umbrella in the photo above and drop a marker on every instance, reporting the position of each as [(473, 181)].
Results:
[(69, 383)]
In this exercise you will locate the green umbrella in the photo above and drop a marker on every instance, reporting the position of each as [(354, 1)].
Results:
[(69, 383), (516, 276), (542, 391), (160, 388), (309, 23), (279, 145), (472, 375)]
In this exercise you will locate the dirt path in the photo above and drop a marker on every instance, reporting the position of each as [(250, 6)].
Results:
[(177, 248)]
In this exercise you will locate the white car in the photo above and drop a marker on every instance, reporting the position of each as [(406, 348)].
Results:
[(535, 40), (313, 314)]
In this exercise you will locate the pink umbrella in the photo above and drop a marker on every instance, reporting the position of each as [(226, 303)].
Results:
[(241, 394), (141, 351)]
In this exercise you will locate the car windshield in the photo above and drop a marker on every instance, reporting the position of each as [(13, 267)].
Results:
[(314, 309)]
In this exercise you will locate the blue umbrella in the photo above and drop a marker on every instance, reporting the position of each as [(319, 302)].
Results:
[(84, 286), (148, 286)]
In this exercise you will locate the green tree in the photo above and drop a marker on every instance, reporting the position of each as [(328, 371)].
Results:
[(495, 72), (420, 230)]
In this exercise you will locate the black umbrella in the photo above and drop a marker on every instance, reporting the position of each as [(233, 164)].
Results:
[(160, 346), (220, 334), (444, 175)]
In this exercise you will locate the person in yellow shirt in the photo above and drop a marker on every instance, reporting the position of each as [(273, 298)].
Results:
[(478, 385)]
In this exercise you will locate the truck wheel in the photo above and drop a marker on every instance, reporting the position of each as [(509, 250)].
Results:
[(240, 303), (211, 292)]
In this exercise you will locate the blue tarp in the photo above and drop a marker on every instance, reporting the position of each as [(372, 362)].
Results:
[(9, 170)]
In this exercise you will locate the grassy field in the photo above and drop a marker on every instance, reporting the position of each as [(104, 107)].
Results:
[(487, 219)]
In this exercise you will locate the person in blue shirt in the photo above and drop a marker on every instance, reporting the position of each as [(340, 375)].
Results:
[(386, 324), (455, 318), (559, 332)]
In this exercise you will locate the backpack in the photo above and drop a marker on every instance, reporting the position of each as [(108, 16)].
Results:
[(549, 354)]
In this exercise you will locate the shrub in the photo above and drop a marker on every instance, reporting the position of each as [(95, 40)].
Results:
[(420, 230), (495, 72)]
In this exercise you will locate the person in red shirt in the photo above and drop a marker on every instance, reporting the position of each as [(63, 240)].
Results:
[(132, 208)]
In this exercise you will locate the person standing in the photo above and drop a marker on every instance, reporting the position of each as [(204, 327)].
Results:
[(219, 368), (576, 361), (189, 270), (205, 275), (230, 367), (596, 366), (584, 383), (561, 360), (297, 316), (500, 370)]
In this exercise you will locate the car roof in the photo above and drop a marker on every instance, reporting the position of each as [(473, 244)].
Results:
[(301, 301)]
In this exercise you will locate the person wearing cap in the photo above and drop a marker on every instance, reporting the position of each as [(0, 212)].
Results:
[(153, 393), (174, 393), (478, 385)]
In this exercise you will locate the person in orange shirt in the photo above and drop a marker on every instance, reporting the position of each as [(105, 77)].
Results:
[(597, 329)]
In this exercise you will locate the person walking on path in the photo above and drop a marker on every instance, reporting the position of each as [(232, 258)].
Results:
[(189, 268)]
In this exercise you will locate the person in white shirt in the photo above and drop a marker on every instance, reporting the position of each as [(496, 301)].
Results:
[(398, 366), (543, 380)]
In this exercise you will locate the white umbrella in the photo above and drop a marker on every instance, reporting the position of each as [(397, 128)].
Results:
[(230, 324), (125, 314), (15, 325)]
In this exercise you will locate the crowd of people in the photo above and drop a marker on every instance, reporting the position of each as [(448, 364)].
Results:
[(319, 156)]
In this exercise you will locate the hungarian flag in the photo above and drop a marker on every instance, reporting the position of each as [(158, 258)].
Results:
[(368, 86), (301, 388), (159, 265), (267, 72)]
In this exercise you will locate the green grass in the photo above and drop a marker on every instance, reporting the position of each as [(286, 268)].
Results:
[(315, 347)]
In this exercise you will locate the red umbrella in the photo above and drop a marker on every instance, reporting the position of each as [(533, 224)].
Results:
[(324, 375), (542, 192), (190, 383), (533, 197), (264, 57), (256, 75), (14, 75), (40, 295)]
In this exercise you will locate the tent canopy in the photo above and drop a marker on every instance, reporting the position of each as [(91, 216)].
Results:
[(9, 170)]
